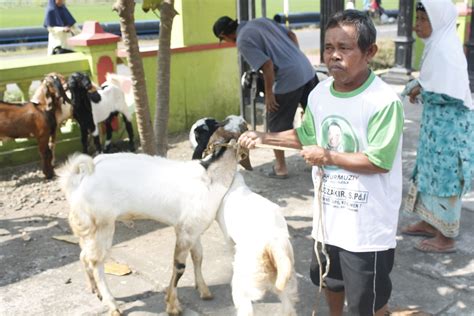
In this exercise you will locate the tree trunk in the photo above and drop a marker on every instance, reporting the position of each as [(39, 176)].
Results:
[(167, 14), (125, 9)]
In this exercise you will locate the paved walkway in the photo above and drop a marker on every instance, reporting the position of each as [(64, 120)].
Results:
[(437, 284)]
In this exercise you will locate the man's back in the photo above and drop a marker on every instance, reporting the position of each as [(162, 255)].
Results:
[(262, 39)]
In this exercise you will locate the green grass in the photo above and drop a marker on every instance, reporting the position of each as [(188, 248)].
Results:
[(33, 16), (276, 6), (28, 16)]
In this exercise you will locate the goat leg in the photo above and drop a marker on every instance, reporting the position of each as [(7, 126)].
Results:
[(129, 127), (98, 146), (196, 256), (181, 250), (90, 275), (108, 133), (46, 156), (93, 254), (84, 134), (52, 147)]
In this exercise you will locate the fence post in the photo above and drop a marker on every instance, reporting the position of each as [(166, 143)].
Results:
[(401, 72), (328, 8), (470, 51), (99, 47)]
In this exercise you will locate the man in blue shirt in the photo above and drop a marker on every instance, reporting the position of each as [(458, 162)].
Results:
[(288, 74)]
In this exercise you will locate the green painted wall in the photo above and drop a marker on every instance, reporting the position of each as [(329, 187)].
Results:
[(204, 83), (194, 23)]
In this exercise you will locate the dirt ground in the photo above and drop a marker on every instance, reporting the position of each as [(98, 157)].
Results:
[(25, 192), (29, 202)]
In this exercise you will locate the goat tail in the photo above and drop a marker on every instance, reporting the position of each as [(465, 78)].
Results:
[(73, 171), (279, 255)]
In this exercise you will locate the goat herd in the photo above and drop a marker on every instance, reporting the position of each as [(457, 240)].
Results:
[(188, 195), (56, 100)]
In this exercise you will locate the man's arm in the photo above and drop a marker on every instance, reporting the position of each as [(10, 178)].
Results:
[(252, 139), (293, 38), (269, 78), (356, 162)]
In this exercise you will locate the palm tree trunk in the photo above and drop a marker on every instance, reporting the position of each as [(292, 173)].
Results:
[(167, 14), (125, 9)]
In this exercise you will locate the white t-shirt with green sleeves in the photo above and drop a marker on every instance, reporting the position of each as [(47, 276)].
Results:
[(360, 210)]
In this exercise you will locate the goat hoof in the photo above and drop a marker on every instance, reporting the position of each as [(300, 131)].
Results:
[(115, 313), (206, 296), (173, 310)]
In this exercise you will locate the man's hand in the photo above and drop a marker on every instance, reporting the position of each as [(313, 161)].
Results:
[(250, 139), (67, 29), (315, 155), (270, 102)]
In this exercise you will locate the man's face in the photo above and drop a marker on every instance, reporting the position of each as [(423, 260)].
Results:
[(422, 25), (344, 59)]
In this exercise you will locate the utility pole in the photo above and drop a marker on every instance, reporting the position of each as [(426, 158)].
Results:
[(328, 8), (401, 72), (470, 52), (245, 12)]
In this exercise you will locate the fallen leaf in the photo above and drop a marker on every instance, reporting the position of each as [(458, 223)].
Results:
[(4, 232), (67, 238), (115, 268)]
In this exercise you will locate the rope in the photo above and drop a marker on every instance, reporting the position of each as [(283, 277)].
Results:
[(234, 145), (320, 225), (266, 146)]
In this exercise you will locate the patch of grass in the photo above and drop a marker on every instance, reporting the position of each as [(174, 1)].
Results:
[(385, 56), (276, 6), (33, 16), (12, 96)]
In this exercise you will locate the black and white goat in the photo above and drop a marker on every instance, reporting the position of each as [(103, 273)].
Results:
[(92, 106), (183, 194), (263, 257)]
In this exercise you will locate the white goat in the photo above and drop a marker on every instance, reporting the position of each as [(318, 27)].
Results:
[(263, 257), (184, 194)]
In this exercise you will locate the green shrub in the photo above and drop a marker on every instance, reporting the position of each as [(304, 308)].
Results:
[(385, 56)]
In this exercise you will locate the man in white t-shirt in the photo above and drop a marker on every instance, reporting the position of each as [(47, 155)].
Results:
[(361, 176)]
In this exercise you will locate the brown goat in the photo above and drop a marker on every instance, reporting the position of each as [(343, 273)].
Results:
[(38, 120)]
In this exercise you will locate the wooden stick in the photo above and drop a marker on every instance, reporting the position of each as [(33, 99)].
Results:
[(265, 146)]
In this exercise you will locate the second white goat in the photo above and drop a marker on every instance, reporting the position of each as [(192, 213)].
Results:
[(263, 259)]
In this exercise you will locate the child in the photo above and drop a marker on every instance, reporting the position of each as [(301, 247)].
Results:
[(362, 180), (443, 166)]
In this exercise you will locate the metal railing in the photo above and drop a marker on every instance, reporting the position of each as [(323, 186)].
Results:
[(30, 36)]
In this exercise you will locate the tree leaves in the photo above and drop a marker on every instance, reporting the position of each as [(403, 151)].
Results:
[(153, 5)]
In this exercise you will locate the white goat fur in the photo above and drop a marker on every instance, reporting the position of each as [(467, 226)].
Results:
[(127, 186), (263, 257), (112, 99)]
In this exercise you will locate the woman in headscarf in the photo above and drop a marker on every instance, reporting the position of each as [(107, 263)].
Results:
[(445, 157), (60, 24)]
